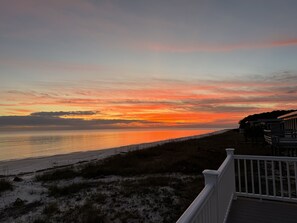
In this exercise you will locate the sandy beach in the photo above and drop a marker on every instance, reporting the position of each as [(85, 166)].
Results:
[(28, 165)]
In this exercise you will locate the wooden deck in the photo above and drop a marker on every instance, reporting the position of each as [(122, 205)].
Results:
[(256, 211)]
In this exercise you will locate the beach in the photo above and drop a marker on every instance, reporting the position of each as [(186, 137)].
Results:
[(21, 166), (152, 182)]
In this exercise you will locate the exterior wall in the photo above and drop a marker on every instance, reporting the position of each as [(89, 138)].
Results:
[(291, 124), (290, 121)]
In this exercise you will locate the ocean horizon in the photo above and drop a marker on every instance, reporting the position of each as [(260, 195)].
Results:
[(29, 144)]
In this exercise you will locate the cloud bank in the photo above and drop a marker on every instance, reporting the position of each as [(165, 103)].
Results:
[(52, 120), (161, 103), (61, 113)]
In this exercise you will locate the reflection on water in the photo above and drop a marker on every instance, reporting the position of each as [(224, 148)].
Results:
[(34, 144)]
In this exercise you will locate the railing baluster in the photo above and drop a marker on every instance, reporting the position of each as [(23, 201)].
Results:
[(259, 177), (252, 175), (295, 171), (273, 178), (206, 213), (239, 176), (245, 176), (200, 219), (266, 178), (213, 216), (209, 212), (281, 178), (289, 180), (203, 215)]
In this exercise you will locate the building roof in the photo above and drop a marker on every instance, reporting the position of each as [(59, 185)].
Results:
[(264, 120), (289, 115)]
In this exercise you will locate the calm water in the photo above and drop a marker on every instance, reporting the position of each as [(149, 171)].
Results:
[(33, 144)]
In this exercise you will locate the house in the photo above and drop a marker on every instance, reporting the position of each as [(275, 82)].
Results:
[(290, 124), (282, 135)]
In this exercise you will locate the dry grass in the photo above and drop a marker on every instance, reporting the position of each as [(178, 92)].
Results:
[(58, 191), (188, 157), (59, 174)]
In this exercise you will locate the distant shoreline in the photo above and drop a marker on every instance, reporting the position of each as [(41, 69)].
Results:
[(28, 165)]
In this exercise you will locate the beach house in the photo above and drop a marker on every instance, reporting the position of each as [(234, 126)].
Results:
[(290, 124), (282, 135)]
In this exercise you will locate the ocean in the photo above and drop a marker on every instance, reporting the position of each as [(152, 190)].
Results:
[(18, 145)]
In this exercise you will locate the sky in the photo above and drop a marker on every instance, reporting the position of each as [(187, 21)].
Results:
[(145, 64)]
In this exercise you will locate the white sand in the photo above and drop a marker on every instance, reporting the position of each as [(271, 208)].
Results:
[(14, 167)]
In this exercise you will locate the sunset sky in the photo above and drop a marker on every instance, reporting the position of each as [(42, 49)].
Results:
[(135, 63)]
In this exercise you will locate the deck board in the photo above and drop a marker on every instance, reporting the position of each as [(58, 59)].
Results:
[(252, 211)]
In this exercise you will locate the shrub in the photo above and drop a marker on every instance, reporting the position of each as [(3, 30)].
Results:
[(60, 174), (87, 213), (39, 220), (51, 209), (5, 185), (57, 191)]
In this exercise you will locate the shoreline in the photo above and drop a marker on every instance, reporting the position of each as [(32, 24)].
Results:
[(29, 165)]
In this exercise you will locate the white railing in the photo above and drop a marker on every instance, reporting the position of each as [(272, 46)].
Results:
[(264, 177), (213, 203), (268, 177)]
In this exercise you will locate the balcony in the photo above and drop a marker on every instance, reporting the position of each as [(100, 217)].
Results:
[(281, 140), (247, 189)]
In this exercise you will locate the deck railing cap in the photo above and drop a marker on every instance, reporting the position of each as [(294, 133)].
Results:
[(230, 151), (211, 176), (210, 172)]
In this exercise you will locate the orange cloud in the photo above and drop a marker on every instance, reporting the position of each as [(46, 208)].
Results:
[(162, 103)]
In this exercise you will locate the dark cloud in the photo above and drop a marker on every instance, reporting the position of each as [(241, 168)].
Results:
[(52, 121), (287, 89), (146, 102), (283, 76), (225, 109), (62, 113), (219, 124), (277, 98)]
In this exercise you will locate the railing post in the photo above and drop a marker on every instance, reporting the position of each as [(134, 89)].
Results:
[(230, 152), (211, 177)]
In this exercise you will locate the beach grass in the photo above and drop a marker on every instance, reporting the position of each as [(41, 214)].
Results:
[(188, 157), (58, 174), (67, 190)]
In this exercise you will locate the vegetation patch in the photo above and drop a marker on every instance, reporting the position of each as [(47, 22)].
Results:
[(151, 181), (5, 185), (187, 157), (57, 191), (59, 174), (19, 210), (51, 209), (87, 213)]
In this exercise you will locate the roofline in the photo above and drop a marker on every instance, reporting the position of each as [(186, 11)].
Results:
[(289, 115)]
